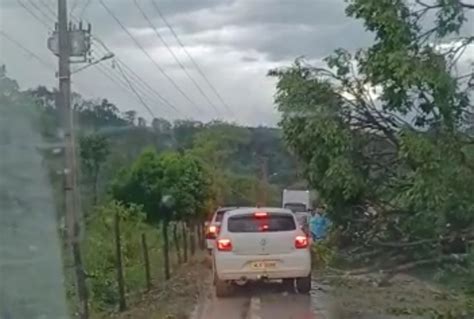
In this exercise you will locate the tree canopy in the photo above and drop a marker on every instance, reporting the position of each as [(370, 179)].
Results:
[(382, 131)]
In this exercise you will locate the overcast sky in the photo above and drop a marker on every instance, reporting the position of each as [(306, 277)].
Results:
[(235, 42)]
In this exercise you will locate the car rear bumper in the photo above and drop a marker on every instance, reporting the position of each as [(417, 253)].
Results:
[(234, 267), (258, 275)]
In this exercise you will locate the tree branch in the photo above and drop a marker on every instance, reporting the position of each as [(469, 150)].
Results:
[(466, 5), (429, 6)]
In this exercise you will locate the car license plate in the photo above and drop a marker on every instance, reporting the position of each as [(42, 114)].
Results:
[(268, 264)]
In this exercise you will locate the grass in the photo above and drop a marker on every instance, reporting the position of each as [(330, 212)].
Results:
[(173, 299)]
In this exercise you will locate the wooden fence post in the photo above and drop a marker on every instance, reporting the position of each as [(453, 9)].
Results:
[(146, 261), (119, 266), (185, 242), (192, 239), (166, 246), (177, 243)]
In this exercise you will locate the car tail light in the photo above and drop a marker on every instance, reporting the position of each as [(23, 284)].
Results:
[(212, 232), (260, 214), (224, 244), (301, 242), (210, 236)]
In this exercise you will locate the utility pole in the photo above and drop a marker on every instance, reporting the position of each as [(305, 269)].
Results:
[(64, 47)]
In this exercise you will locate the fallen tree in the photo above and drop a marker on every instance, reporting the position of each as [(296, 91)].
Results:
[(385, 133)]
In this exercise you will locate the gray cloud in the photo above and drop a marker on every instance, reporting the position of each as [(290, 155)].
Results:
[(280, 29), (234, 41)]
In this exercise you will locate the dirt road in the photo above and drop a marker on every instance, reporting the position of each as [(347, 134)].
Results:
[(355, 297), (404, 298), (264, 301)]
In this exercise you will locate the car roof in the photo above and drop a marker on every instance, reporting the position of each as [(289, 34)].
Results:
[(250, 210), (225, 209)]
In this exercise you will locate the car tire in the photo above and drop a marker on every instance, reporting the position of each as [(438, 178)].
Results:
[(303, 285), (223, 288), (289, 285)]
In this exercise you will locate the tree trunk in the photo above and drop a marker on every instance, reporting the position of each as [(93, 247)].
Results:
[(192, 239), (185, 242), (166, 254), (177, 243), (119, 267)]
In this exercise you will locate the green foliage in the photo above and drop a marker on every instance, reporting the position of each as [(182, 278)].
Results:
[(95, 116), (382, 132), (93, 151), (142, 184), (314, 128), (229, 152), (152, 177), (323, 255), (100, 252), (187, 182)]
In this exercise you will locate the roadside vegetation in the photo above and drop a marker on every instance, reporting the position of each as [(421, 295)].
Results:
[(147, 188), (386, 136)]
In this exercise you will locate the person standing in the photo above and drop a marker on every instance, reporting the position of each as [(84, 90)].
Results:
[(312, 223), (320, 224)]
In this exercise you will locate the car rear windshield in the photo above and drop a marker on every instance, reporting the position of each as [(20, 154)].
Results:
[(220, 215), (296, 207), (273, 222)]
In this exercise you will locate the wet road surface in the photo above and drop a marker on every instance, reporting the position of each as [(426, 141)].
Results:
[(272, 301), (266, 301)]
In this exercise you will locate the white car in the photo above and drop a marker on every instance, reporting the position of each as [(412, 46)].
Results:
[(261, 244), (212, 227)]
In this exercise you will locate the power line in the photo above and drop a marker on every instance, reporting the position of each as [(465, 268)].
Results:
[(84, 8), (39, 9), (150, 23), (111, 78), (108, 51), (73, 7), (100, 69), (136, 93), (123, 82), (49, 9), (33, 14), (31, 53), (140, 79), (105, 71), (198, 68), (124, 85), (46, 64), (176, 86), (148, 87)]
